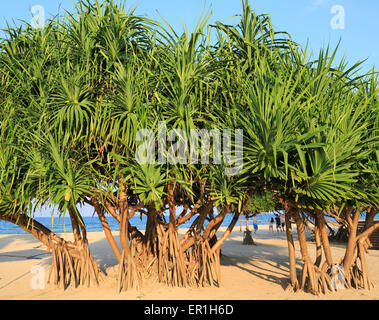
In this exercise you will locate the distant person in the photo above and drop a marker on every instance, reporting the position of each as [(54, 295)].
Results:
[(271, 224), (278, 225), (283, 221), (255, 224)]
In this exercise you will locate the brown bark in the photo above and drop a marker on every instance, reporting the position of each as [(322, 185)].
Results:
[(129, 273), (112, 210), (291, 247), (150, 239), (183, 219), (74, 223), (107, 231), (370, 216), (215, 223), (365, 281), (352, 242), (124, 223), (324, 237), (368, 231), (171, 205), (194, 232), (318, 246), (308, 270), (357, 247), (227, 233), (69, 261), (28, 224)]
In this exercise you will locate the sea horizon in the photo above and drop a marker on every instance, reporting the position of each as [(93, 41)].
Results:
[(93, 224)]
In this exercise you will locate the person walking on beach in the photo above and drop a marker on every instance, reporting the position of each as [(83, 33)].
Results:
[(278, 225), (271, 224), (255, 224), (283, 221)]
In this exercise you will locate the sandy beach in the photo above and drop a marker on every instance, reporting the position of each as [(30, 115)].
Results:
[(257, 272)]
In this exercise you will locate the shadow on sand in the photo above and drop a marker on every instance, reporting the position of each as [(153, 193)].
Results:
[(265, 261), (268, 262), (37, 252)]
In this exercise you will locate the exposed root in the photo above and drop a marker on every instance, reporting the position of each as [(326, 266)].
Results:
[(171, 260), (198, 266), (357, 275), (129, 274), (292, 288), (315, 280), (73, 265), (203, 265)]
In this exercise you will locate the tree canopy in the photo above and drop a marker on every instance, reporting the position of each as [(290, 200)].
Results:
[(80, 97)]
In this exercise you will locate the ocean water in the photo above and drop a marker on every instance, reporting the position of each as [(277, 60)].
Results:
[(62, 225)]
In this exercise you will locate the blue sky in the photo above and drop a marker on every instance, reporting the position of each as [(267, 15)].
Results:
[(305, 20)]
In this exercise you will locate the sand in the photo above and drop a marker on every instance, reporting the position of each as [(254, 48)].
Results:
[(257, 272)]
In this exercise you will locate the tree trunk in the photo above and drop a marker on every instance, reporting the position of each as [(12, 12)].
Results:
[(107, 231), (75, 224), (129, 274), (318, 246), (352, 242), (308, 271), (324, 238), (316, 280), (37, 230), (227, 233), (357, 247), (291, 249), (72, 263), (370, 216)]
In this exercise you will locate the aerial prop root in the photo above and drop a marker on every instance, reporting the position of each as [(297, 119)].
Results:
[(130, 276), (356, 276), (73, 265), (315, 280)]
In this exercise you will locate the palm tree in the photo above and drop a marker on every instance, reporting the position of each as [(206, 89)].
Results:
[(77, 96)]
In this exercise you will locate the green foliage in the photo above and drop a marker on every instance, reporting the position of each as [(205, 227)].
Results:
[(260, 202), (74, 94)]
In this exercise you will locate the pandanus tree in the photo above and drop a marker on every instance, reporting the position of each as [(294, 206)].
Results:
[(86, 85), (308, 132), (317, 167), (108, 109), (329, 175)]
